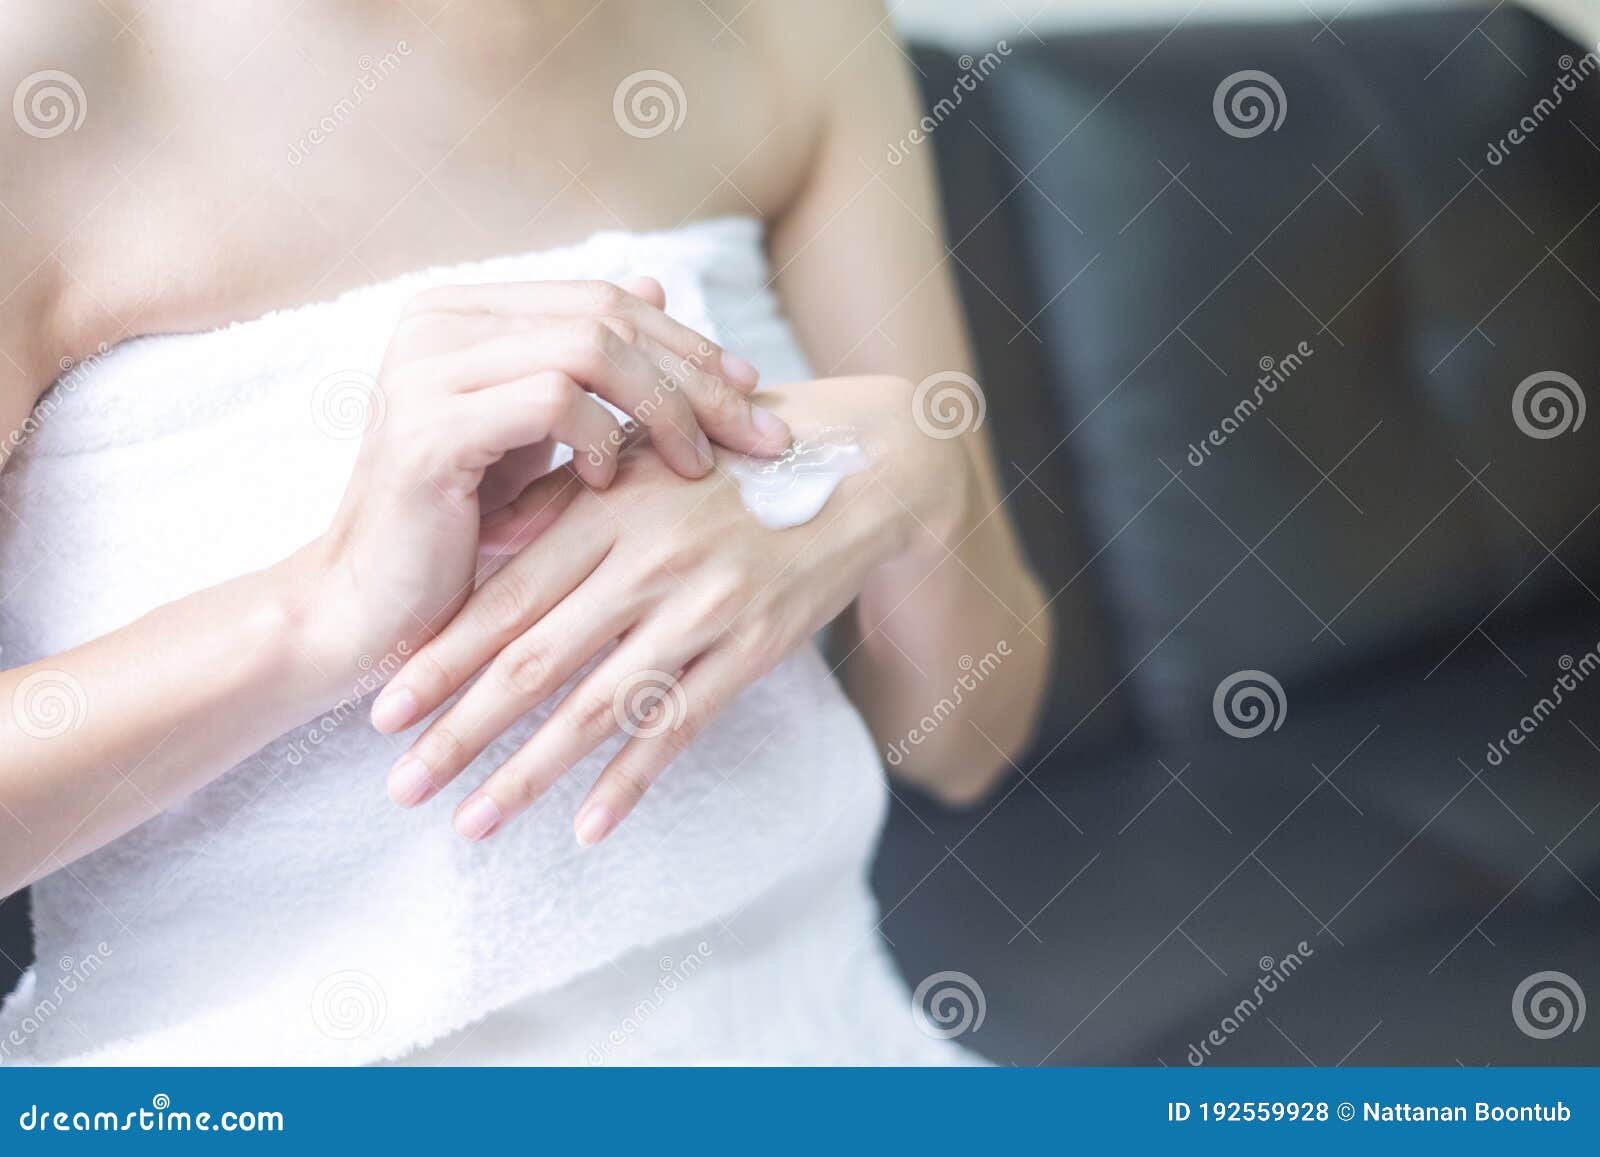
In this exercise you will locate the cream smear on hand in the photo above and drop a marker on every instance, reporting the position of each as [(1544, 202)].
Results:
[(792, 488)]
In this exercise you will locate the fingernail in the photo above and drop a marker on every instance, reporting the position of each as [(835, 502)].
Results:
[(703, 447), (409, 781), (477, 819), (768, 424), (740, 370), (394, 710), (594, 824)]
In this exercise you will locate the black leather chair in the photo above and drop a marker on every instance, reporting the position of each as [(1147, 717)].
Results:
[(1375, 531), (1378, 535)]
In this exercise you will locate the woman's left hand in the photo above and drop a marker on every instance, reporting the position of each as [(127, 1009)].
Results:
[(700, 599)]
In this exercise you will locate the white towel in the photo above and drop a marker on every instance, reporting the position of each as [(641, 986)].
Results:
[(288, 913)]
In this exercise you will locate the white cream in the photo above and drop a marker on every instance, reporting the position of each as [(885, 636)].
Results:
[(792, 488)]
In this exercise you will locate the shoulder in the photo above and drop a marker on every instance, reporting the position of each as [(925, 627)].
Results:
[(57, 126)]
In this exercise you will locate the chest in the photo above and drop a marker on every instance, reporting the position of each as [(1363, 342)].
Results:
[(301, 179)]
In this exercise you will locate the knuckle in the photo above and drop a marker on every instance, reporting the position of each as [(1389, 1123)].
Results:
[(721, 403), (591, 716), (524, 670), (631, 780), (676, 741), (623, 330), (603, 296), (428, 676), (501, 601), (442, 749), (425, 302)]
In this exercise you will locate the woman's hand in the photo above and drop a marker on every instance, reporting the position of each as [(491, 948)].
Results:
[(703, 599), (476, 386)]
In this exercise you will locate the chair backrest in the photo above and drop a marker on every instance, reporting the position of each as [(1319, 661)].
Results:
[(1274, 323)]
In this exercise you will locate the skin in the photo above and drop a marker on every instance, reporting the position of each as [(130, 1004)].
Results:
[(174, 209)]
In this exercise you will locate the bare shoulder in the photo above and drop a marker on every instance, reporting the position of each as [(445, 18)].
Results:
[(54, 61), (825, 45)]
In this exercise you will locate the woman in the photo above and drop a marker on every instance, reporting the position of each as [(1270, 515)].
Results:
[(249, 512)]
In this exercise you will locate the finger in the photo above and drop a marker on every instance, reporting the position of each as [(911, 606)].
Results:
[(530, 669), (577, 299), (546, 405), (508, 478), (725, 414), (703, 692), (507, 603), (511, 528), (647, 289), (591, 713), (595, 355)]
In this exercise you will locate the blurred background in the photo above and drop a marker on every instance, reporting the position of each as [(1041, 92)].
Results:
[(1296, 309), (1310, 293)]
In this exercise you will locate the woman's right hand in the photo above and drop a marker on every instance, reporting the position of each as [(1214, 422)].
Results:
[(477, 385)]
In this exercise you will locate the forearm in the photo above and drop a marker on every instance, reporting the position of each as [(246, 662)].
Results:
[(947, 651), (953, 650), (97, 740)]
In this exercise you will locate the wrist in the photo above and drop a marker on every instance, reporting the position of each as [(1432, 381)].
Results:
[(322, 626)]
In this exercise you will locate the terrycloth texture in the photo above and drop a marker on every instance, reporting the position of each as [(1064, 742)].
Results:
[(288, 913)]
